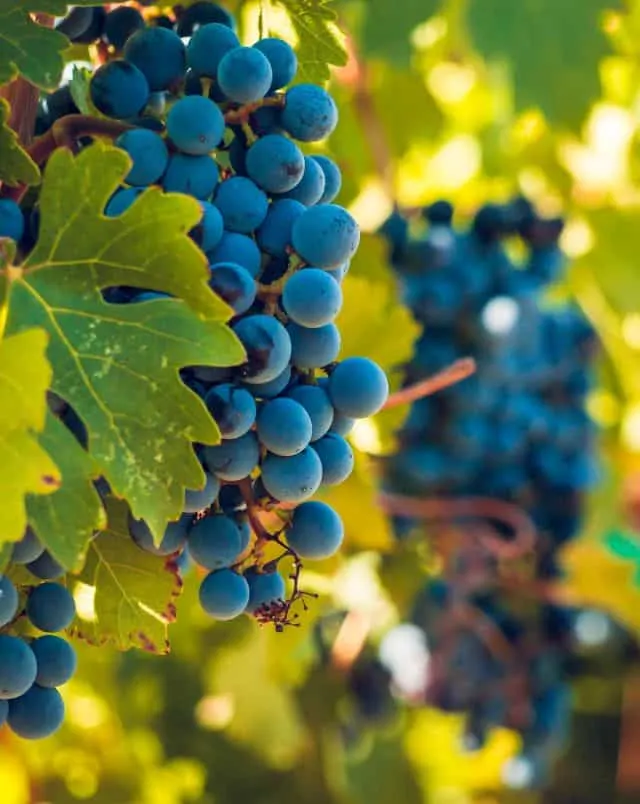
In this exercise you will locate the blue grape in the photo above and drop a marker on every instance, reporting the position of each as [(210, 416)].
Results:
[(8, 601), (274, 235), (195, 125), (198, 499), (191, 175), (292, 479), (200, 15), (265, 588), (268, 390), (28, 549), (265, 120), (310, 189), (275, 163), (312, 298), (267, 345), (121, 200), (208, 233), (50, 607), (244, 529), (325, 235), (77, 21), (46, 567), (233, 408), (36, 714), (242, 204), (310, 113), (235, 459), (120, 24), (215, 541), (317, 404), (283, 426), (244, 75), (224, 594), (208, 45), (239, 249), (159, 54), (119, 89), (282, 58), (358, 387), (231, 499), (332, 178), (18, 667), (342, 425), (11, 219), (56, 660), (313, 348), (336, 457), (173, 539), (148, 153), (315, 530), (233, 284)]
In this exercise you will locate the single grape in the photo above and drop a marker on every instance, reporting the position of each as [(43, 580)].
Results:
[(200, 15), (292, 479), (273, 388), (195, 125), (313, 348), (233, 459), (120, 24), (336, 457), (325, 235), (233, 408), (46, 567), (244, 75), (148, 153), (317, 404), (121, 200), (242, 204), (36, 714), (342, 425), (332, 179), (207, 47), (224, 594), (173, 539), (18, 667), (267, 345), (208, 233), (50, 607), (310, 113), (233, 284), (11, 219), (191, 175), (239, 249), (198, 499), (358, 387), (274, 235), (76, 22), (275, 163), (310, 189), (159, 54), (312, 298), (283, 426), (119, 89), (28, 549), (264, 589), (215, 542), (315, 530), (282, 58), (56, 660), (8, 601)]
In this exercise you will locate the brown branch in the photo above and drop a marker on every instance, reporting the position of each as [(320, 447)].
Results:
[(23, 99), (453, 374)]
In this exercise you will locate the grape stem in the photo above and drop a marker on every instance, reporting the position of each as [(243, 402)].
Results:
[(449, 376)]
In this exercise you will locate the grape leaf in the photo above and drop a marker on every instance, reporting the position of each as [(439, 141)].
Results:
[(25, 466), (387, 27), (79, 88), (135, 591), (116, 364), (318, 42), (16, 166), (553, 49), (66, 520)]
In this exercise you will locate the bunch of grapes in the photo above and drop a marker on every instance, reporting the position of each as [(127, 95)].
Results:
[(202, 115)]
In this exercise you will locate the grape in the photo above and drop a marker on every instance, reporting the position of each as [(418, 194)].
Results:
[(233, 459), (275, 163), (121, 200), (28, 549), (283, 427), (191, 175), (238, 249), (173, 539), (76, 22), (311, 298), (162, 21), (342, 425), (315, 530), (56, 660), (199, 499), (36, 714), (147, 151), (313, 348), (243, 206), (119, 89), (224, 594), (159, 54), (267, 390), (50, 607), (195, 125), (18, 667), (208, 46), (231, 499), (233, 408), (358, 387), (264, 589), (215, 542), (200, 15), (265, 120), (8, 601), (336, 457), (233, 284), (282, 58), (310, 188), (294, 478), (310, 113), (46, 567), (325, 235), (332, 179), (244, 529), (267, 345), (208, 233), (274, 235), (120, 24), (244, 75), (11, 219), (317, 404)]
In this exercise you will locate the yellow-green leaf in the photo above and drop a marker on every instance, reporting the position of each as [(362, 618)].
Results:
[(16, 166)]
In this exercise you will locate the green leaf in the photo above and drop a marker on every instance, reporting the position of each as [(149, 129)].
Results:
[(29, 49), (135, 591), (79, 87), (65, 521), (553, 49), (16, 166), (25, 467), (117, 365), (318, 43), (622, 545), (387, 27)]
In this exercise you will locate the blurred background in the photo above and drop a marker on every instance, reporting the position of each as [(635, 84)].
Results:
[(476, 102)]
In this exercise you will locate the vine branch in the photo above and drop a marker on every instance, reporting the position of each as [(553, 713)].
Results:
[(451, 375)]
